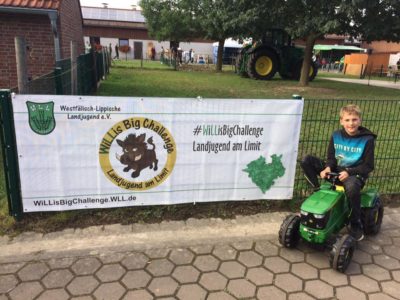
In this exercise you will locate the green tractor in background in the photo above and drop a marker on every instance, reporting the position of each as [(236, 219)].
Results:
[(273, 53)]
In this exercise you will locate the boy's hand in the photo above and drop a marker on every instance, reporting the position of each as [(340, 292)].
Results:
[(343, 175), (324, 172)]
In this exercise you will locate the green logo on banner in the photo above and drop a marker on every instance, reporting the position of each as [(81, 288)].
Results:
[(264, 174), (41, 117)]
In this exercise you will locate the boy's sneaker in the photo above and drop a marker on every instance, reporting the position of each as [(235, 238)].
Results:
[(356, 232)]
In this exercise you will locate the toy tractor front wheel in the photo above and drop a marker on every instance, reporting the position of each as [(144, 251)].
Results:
[(262, 64), (342, 253), (372, 217), (289, 234)]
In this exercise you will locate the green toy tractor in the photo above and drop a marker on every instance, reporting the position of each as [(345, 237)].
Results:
[(324, 214), (273, 53)]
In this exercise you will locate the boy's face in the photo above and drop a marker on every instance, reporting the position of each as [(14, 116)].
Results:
[(350, 123)]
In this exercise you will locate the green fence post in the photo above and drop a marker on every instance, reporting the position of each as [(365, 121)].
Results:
[(94, 69), (58, 80), (10, 157)]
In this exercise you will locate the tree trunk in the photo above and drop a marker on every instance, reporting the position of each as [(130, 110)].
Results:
[(308, 52), (221, 44)]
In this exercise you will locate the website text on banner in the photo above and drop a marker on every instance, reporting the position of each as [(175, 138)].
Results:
[(97, 152)]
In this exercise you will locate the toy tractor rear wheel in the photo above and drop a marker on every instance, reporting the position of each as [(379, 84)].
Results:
[(262, 64), (311, 73), (342, 253), (372, 218), (289, 234)]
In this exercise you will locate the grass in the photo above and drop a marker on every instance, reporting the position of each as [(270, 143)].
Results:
[(161, 81), (128, 78)]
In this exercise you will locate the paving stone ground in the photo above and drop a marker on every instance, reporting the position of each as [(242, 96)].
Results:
[(248, 268)]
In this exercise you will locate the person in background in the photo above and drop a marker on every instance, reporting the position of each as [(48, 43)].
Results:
[(88, 47), (180, 55), (191, 55), (116, 52), (162, 54)]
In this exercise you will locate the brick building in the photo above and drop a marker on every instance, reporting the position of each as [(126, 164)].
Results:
[(48, 27), (126, 27)]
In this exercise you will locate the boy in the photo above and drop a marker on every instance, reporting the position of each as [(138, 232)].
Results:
[(351, 154)]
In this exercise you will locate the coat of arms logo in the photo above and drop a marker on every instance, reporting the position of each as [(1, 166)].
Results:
[(41, 117)]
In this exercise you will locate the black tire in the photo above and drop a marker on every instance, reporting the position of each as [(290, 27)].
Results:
[(289, 234), (262, 64), (285, 76), (297, 70), (342, 252), (372, 217)]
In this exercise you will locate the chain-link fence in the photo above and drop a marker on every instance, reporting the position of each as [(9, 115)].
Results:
[(321, 118)]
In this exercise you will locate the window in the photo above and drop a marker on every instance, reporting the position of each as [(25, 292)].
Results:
[(123, 42), (94, 40)]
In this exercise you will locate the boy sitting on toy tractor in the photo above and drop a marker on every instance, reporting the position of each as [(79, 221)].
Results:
[(351, 154)]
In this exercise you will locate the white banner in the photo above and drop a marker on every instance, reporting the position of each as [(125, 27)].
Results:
[(95, 152)]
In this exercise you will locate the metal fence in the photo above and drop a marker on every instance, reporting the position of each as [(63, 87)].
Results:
[(321, 118), (91, 68)]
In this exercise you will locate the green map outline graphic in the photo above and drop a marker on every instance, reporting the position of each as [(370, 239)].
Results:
[(264, 174)]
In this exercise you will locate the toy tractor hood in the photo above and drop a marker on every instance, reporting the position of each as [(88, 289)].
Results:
[(321, 201)]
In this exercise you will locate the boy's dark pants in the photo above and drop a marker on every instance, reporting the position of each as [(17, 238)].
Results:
[(312, 167)]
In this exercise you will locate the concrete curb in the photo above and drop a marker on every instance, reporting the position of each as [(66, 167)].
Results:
[(377, 83), (140, 236)]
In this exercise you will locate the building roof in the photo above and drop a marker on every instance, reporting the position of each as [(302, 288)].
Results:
[(336, 47), (38, 4), (112, 14)]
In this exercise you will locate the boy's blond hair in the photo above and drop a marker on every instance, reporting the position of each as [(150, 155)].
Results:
[(351, 109)]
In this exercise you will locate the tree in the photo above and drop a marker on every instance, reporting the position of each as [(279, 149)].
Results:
[(312, 19), (178, 20), (217, 19), (376, 20), (257, 16), (222, 19), (170, 20)]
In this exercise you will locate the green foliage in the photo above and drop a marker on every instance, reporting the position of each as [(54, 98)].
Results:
[(377, 19), (171, 20), (317, 18), (263, 174), (256, 16)]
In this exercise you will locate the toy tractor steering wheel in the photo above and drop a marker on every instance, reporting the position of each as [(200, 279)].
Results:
[(333, 178)]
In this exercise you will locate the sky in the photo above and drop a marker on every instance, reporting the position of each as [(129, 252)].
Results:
[(111, 4)]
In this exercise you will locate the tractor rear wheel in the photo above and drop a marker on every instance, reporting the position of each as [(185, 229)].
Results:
[(289, 234), (311, 74), (262, 64), (342, 252), (372, 217)]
